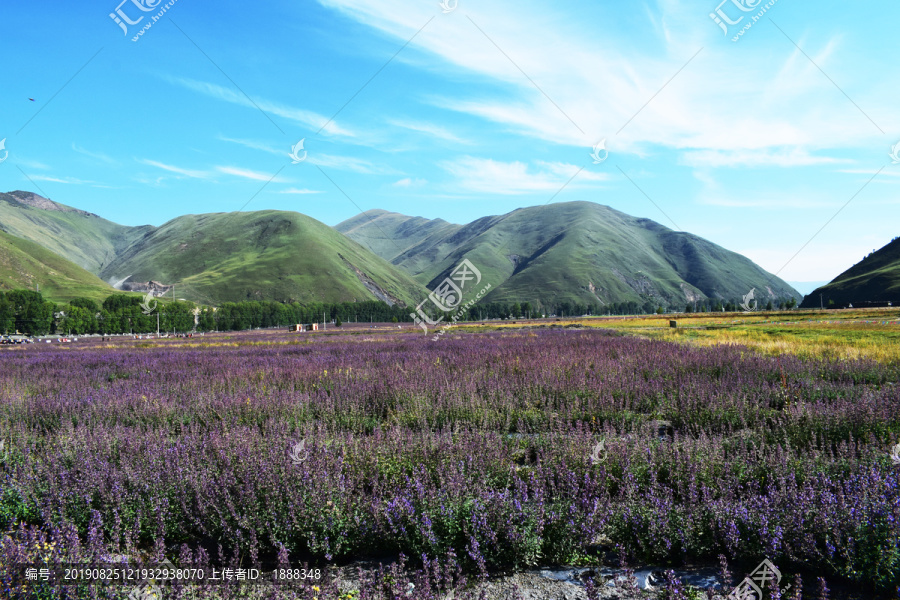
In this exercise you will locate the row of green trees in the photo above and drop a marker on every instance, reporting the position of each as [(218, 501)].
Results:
[(735, 306), (27, 312), (250, 315), (500, 310)]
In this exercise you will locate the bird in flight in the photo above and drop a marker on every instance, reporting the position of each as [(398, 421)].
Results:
[(32, 99)]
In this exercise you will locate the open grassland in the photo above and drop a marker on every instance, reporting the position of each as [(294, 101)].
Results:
[(472, 455), (872, 334)]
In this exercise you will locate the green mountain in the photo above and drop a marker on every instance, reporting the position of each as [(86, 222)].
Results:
[(577, 252), (212, 258), (389, 234), (81, 237), (264, 255), (876, 279), (26, 265)]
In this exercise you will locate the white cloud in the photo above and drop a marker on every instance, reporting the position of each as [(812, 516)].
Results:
[(209, 175), (884, 176), (430, 129), (155, 182), (192, 173), (298, 191), (348, 163), (407, 182), (66, 180), (248, 174), (761, 157), (306, 118), (255, 145), (568, 170), (95, 155), (509, 178), (31, 164), (600, 79)]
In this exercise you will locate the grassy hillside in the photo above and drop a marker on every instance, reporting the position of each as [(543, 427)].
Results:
[(265, 255), (81, 237), (875, 279), (578, 252), (25, 265), (581, 252), (389, 234)]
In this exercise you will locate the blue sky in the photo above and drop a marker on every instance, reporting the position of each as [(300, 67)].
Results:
[(754, 144)]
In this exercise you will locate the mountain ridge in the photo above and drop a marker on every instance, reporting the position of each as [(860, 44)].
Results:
[(875, 279), (574, 251)]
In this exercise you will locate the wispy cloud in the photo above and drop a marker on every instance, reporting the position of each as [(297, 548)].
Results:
[(307, 118), (66, 180), (154, 182), (889, 173), (104, 158), (31, 164), (510, 178), (599, 79), (567, 170), (349, 163), (761, 157), (248, 174), (298, 191), (256, 145), (192, 173), (430, 129), (408, 182)]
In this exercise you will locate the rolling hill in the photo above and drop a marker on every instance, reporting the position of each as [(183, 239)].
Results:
[(264, 255), (81, 237), (26, 265), (576, 251), (875, 279), (209, 259)]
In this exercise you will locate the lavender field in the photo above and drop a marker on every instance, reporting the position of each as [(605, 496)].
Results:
[(463, 458)]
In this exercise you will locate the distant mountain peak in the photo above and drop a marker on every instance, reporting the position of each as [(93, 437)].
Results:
[(37, 201)]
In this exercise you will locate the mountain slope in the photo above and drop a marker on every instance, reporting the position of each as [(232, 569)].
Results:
[(265, 255), (212, 258), (26, 265), (81, 237), (875, 279), (580, 252), (389, 234)]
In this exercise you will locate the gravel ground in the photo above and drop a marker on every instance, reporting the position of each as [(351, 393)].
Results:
[(569, 583)]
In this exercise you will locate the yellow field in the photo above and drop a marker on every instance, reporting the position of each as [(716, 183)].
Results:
[(842, 334)]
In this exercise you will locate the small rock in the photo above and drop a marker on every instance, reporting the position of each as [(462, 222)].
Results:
[(664, 430)]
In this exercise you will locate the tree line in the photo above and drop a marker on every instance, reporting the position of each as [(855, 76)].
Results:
[(501, 310), (26, 311)]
